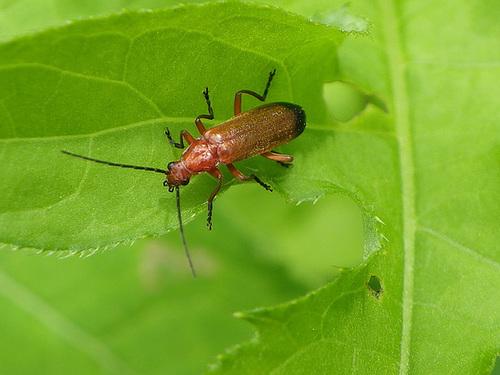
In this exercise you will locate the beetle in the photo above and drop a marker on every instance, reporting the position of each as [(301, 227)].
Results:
[(247, 134)]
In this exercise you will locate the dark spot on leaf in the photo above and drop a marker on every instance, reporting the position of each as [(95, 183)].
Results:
[(375, 286)]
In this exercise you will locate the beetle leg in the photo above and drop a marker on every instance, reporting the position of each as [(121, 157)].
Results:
[(276, 156), (210, 116), (237, 97), (217, 174), (282, 159), (184, 133), (240, 176)]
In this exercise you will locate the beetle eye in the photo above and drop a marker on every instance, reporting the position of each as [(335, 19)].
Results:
[(184, 182), (170, 165)]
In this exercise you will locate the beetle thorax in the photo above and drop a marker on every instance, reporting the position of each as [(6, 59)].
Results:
[(200, 156)]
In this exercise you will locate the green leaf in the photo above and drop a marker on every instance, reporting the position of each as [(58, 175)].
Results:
[(428, 168), (107, 88)]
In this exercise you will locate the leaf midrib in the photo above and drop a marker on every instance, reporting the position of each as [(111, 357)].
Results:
[(397, 69)]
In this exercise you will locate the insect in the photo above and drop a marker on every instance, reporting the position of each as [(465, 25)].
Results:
[(247, 134)]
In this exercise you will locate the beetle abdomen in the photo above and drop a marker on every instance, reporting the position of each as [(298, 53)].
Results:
[(256, 131)]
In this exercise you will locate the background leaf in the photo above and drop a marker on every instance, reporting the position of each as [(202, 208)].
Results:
[(437, 309)]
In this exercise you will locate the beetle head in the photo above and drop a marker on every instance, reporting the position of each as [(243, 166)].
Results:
[(177, 175)]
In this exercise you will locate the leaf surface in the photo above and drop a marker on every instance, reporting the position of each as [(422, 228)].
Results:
[(107, 88), (428, 169)]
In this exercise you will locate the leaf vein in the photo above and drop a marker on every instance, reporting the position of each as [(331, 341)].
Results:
[(464, 249)]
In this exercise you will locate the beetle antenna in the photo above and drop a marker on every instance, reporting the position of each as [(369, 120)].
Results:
[(179, 216), (157, 170)]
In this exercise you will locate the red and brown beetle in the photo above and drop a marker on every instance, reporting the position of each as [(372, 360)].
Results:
[(247, 134)]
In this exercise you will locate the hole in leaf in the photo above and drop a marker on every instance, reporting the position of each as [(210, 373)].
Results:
[(345, 100), (375, 286), (312, 240)]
